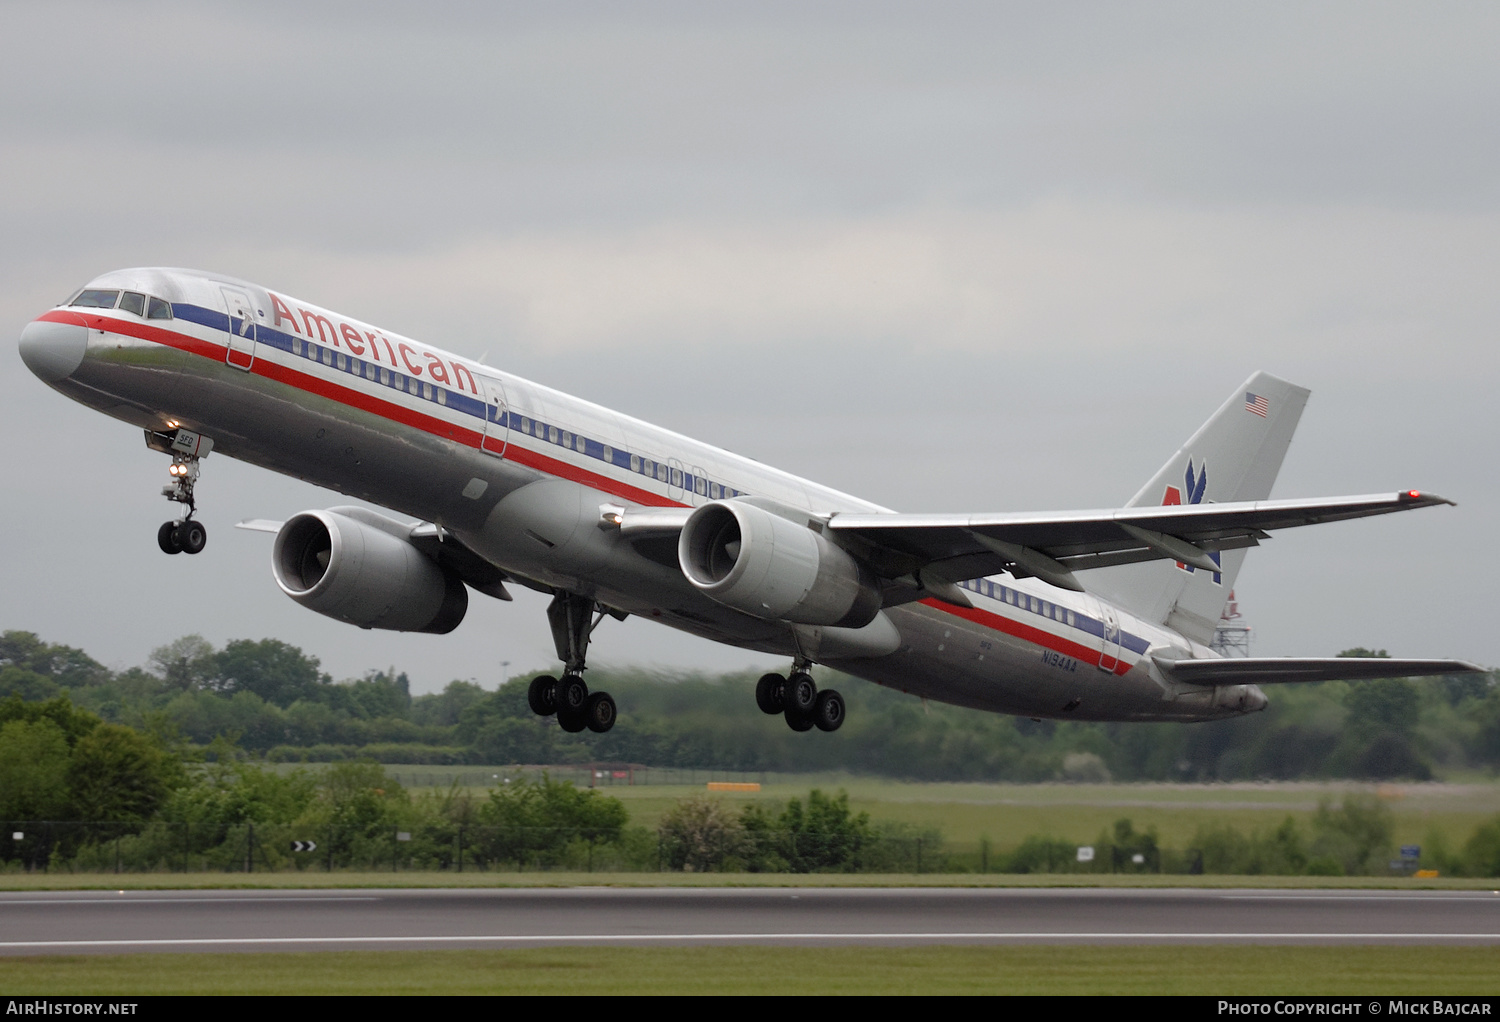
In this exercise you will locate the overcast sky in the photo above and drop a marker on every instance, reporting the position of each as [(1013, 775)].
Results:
[(944, 256)]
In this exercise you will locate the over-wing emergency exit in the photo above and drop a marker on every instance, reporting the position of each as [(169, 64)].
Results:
[(1097, 615)]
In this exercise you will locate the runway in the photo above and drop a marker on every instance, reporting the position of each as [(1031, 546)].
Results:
[(136, 921)]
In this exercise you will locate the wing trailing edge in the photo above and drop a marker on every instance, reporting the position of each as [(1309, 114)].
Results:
[(1278, 670)]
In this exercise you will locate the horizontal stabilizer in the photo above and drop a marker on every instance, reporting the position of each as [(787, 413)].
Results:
[(1275, 670)]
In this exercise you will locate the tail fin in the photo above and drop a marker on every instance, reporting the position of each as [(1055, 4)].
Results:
[(1235, 455)]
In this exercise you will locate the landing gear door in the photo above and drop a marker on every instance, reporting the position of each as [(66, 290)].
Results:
[(1109, 652), (241, 351), (496, 418)]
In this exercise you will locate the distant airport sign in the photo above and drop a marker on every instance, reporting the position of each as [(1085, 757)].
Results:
[(304, 846), (1085, 853)]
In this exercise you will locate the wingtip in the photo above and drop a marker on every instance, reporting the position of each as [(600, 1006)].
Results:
[(1422, 497)]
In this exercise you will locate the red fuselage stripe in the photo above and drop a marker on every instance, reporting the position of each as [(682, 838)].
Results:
[(1026, 633)]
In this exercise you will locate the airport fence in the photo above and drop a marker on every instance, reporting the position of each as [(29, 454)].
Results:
[(68, 846)]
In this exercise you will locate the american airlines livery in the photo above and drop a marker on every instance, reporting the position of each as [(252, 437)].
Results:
[(512, 482)]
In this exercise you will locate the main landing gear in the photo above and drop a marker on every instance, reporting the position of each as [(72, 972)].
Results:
[(184, 535), (798, 699), (573, 619)]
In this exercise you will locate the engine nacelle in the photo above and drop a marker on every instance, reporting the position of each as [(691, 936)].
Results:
[(365, 572), (757, 562)]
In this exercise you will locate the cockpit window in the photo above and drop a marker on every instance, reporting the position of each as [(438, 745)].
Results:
[(159, 309), (93, 298), (133, 302)]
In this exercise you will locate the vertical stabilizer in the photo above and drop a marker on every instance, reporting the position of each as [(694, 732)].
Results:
[(1235, 455)]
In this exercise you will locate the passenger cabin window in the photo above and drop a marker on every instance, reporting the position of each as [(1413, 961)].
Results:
[(158, 309), (92, 298), (134, 303)]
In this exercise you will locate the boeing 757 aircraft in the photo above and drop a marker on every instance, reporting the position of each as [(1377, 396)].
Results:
[(511, 482)]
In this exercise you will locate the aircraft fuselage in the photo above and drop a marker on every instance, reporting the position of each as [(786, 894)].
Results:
[(520, 472)]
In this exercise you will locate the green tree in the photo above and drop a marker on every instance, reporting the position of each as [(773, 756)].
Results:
[(184, 664), (445, 707), (25, 684), (1383, 705), (225, 793), (379, 694), (358, 796), (33, 768), (1356, 835), (271, 669), (535, 820), (1379, 731), (1226, 850), (1126, 843), (64, 665), (1481, 855), (700, 834), (820, 835), (116, 773), (72, 721)]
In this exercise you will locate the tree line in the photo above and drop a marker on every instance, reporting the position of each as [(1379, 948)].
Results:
[(274, 701)]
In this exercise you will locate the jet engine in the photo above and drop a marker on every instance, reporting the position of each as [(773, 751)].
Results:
[(758, 562), (364, 571)]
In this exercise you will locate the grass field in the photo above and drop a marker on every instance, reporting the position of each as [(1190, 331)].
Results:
[(1216, 971), (1005, 814)]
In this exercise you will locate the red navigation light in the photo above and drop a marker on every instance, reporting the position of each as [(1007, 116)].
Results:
[(1414, 494)]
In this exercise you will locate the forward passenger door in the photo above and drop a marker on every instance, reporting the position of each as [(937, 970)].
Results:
[(496, 419), (241, 348)]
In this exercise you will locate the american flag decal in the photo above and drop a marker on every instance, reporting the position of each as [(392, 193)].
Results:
[(1257, 404)]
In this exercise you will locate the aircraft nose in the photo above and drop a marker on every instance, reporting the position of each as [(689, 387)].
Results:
[(53, 350)]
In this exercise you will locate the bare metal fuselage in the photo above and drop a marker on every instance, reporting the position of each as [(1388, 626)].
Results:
[(519, 472)]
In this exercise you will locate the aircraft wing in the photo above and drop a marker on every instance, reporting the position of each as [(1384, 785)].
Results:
[(1052, 545), (1275, 670)]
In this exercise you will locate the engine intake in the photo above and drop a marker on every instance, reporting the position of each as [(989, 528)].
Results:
[(365, 573), (775, 569)]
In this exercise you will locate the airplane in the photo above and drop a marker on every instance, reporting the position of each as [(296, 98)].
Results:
[(511, 482)]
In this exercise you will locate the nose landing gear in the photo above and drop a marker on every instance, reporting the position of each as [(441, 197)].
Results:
[(184, 535)]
